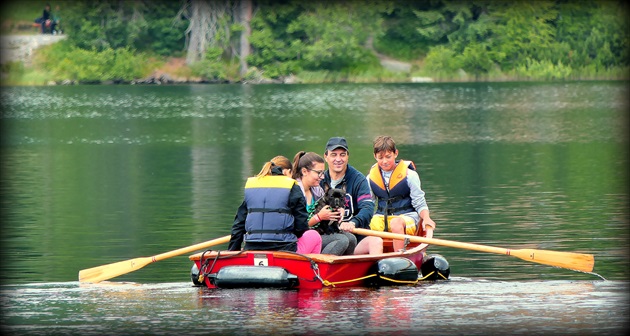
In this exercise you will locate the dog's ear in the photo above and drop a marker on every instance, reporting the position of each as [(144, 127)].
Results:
[(343, 187), (326, 187)]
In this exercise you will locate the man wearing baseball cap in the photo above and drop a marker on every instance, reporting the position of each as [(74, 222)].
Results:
[(359, 204)]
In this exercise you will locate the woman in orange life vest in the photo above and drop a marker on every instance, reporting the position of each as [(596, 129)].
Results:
[(396, 187), (273, 213)]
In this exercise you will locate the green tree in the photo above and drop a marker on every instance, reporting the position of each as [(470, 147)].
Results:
[(441, 60), (335, 35), (594, 32), (523, 30), (400, 37), (142, 25), (442, 22), (276, 51)]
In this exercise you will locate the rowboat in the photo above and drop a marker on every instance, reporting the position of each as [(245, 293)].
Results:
[(238, 269), (284, 269)]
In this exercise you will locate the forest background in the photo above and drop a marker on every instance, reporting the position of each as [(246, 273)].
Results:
[(297, 41)]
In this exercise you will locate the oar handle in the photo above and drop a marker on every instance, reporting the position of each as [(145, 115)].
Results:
[(189, 249), (434, 241)]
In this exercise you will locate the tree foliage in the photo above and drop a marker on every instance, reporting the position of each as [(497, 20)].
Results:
[(544, 39), (144, 25), (533, 35)]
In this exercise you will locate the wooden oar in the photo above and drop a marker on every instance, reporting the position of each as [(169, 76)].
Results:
[(574, 261), (100, 273)]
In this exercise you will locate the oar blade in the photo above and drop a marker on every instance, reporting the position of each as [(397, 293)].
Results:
[(575, 261), (105, 272), (568, 260), (100, 273)]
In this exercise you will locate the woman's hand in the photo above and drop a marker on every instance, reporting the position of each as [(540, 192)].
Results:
[(326, 213)]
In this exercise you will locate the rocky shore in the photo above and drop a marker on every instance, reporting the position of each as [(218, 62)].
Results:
[(17, 48)]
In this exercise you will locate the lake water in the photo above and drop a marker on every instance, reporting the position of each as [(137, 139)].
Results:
[(97, 174)]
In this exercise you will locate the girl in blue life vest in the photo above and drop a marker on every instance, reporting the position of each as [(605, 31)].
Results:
[(395, 185), (273, 213)]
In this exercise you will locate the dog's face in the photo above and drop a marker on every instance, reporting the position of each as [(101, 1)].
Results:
[(335, 199)]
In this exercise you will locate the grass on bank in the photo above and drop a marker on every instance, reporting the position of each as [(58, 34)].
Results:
[(60, 62)]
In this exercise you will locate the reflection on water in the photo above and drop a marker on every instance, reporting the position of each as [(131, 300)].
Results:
[(459, 306), (421, 114), (97, 174)]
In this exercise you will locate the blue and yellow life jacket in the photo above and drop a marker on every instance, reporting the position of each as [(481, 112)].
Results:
[(396, 199), (269, 218)]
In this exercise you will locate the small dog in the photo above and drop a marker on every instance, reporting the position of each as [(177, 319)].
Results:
[(335, 199)]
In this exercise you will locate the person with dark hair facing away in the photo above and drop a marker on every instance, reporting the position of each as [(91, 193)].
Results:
[(46, 19), (395, 185), (273, 213), (308, 170), (359, 205)]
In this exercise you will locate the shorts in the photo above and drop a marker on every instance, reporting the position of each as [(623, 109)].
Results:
[(378, 223)]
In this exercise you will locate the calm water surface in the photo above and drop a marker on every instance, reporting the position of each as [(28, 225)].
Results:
[(97, 174)]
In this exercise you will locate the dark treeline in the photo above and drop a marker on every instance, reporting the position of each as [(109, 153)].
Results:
[(328, 41)]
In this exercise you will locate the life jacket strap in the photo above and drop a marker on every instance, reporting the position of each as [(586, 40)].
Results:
[(280, 210), (268, 231)]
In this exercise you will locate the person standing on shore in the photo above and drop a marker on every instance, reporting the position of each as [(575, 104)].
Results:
[(46, 19), (55, 25)]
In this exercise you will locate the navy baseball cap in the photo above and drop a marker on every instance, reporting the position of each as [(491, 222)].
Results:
[(336, 142)]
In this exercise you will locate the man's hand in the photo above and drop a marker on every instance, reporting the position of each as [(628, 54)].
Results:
[(347, 226)]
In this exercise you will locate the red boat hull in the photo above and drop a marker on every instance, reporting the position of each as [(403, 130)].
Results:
[(314, 271)]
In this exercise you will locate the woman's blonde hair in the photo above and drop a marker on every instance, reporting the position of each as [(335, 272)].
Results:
[(279, 160)]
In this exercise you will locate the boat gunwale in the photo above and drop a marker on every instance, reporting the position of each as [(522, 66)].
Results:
[(316, 257)]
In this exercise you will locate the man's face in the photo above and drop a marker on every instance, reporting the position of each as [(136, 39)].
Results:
[(337, 160)]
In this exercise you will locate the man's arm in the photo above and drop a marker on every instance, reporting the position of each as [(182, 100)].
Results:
[(364, 203)]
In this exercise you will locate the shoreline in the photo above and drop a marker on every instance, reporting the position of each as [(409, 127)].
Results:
[(20, 48)]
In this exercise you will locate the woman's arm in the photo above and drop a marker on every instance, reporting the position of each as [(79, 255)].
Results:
[(297, 204), (238, 228)]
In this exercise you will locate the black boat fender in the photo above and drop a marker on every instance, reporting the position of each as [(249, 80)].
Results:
[(253, 277), (393, 271), (435, 267), (194, 275)]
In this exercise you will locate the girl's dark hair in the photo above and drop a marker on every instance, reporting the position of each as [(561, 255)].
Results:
[(304, 160)]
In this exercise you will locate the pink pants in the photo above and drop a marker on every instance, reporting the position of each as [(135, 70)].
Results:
[(310, 242)]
